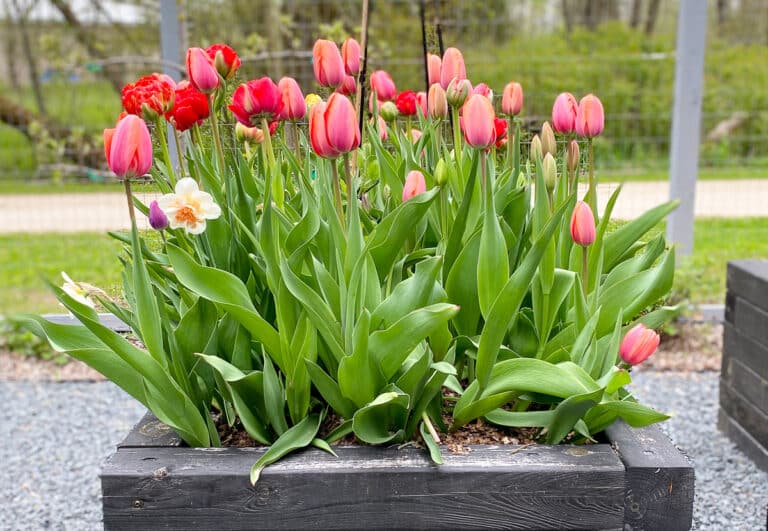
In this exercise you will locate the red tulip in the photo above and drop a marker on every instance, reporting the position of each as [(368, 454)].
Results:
[(582, 224), (437, 104), (434, 64), (477, 122), (317, 132), (327, 63), (406, 103), (191, 107), (500, 127), (256, 99), (564, 113), (348, 86), (483, 90), (224, 59), (350, 54), (452, 67), (201, 72), (590, 119), (150, 96), (341, 124), (383, 86), (512, 99), (130, 147), (293, 106), (414, 185), (639, 343)]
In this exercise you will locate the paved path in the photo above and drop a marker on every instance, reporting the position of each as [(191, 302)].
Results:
[(107, 211)]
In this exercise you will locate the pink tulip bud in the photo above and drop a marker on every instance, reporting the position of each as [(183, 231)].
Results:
[(452, 67), (415, 135), (458, 91), (437, 104), (483, 90), (327, 63), (201, 71), (382, 128), (341, 124), (434, 66), (130, 148), (421, 102), (582, 224), (414, 185), (317, 132), (348, 86), (293, 106), (477, 122), (350, 54), (564, 113), (590, 119), (639, 343), (157, 218), (383, 85), (512, 99), (572, 156)]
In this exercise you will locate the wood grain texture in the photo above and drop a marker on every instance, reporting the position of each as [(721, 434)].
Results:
[(150, 432), (751, 385), (543, 487), (659, 479), (746, 443), (748, 279), (737, 345), (738, 407), (749, 320)]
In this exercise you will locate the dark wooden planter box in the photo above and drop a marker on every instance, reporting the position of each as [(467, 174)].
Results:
[(639, 481), (743, 414)]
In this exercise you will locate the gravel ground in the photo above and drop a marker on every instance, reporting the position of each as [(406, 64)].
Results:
[(50, 466)]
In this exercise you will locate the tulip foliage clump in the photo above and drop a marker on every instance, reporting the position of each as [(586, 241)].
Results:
[(394, 281)]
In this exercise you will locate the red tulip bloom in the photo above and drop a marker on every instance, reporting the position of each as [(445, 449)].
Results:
[(500, 127), (129, 152), (383, 85), (414, 185), (564, 113), (434, 65), (582, 225), (350, 54), (348, 86), (639, 343), (224, 59), (150, 96), (512, 99), (201, 72), (327, 63), (452, 67), (590, 118), (292, 100), (256, 99), (191, 107), (477, 122), (406, 103)]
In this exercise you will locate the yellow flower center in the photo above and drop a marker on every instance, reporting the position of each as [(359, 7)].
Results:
[(186, 215)]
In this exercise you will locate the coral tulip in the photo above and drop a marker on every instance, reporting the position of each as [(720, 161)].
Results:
[(157, 218), (130, 147), (341, 124), (327, 63), (256, 99), (406, 103), (191, 107), (414, 185), (317, 135), (512, 99), (639, 343), (225, 60), (434, 67), (452, 67), (350, 54), (590, 118), (582, 224), (150, 96), (564, 113), (477, 121), (383, 85), (348, 86), (201, 72), (437, 104), (292, 104)]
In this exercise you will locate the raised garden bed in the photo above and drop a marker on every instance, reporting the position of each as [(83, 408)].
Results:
[(743, 414), (638, 481)]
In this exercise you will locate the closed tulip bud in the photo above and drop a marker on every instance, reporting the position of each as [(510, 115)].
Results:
[(535, 151), (415, 136), (573, 156), (639, 343), (512, 99), (201, 71), (437, 104), (457, 92), (434, 64), (157, 218), (582, 224), (293, 106), (245, 133), (441, 172), (318, 137), (388, 111), (225, 60), (327, 63), (341, 124), (348, 86), (590, 118), (548, 144), (549, 166), (564, 113), (130, 148), (452, 67), (383, 85), (414, 185), (382, 127), (350, 54), (483, 90), (477, 121), (421, 102), (386, 192)]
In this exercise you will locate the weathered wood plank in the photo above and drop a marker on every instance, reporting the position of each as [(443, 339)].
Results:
[(750, 320), (745, 413), (750, 384), (738, 345), (150, 432), (748, 279), (107, 319), (543, 487), (741, 437), (659, 479)]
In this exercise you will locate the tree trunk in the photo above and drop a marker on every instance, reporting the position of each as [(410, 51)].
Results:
[(10, 47), (567, 16), (29, 55), (634, 19), (653, 15)]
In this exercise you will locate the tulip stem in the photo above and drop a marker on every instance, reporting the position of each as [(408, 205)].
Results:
[(277, 182), (457, 140), (430, 428), (129, 197), (296, 140), (592, 191), (179, 154), (337, 193), (585, 269), (162, 135), (217, 141), (510, 143)]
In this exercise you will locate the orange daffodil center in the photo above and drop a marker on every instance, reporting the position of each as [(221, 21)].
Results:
[(188, 207)]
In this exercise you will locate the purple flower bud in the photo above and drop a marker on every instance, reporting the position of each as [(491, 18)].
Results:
[(157, 218)]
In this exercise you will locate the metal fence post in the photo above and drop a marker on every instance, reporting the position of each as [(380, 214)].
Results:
[(686, 120), (170, 53)]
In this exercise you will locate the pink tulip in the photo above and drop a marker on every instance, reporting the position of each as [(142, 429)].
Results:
[(434, 64), (382, 127), (130, 147), (317, 132), (421, 101), (639, 343), (477, 122), (414, 185), (348, 86), (437, 104), (201, 71), (350, 54), (582, 224), (383, 85), (483, 90), (292, 100), (452, 67), (564, 113), (590, 118), (512, 99), (415, 135), (327, 63), (341, 124)]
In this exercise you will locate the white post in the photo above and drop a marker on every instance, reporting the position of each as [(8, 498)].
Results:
[(170, 54), (686, 120)]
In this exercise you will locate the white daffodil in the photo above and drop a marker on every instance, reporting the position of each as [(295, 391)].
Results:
[(76, 291), (189, 207)]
